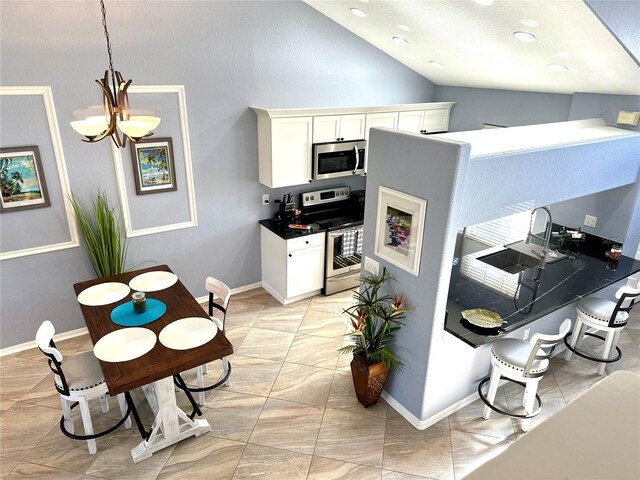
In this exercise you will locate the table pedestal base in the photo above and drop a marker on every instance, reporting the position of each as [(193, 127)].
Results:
[(167, 429)]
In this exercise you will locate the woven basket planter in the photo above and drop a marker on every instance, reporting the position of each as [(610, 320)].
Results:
[(368, 379)]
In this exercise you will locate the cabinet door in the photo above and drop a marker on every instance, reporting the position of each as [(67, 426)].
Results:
[(291, 146), (387, 119), (305, 271), (352, 127), (436, 120), (326, 128), (411, 121)]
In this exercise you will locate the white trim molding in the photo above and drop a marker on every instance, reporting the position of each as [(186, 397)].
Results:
[(188, 166), (61, 166), (32, 344)]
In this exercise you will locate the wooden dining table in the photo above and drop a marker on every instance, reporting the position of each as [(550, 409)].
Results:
[(154, 370)]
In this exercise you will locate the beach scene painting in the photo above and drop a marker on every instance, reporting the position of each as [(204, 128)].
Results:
[(21, 179), (153, 166)]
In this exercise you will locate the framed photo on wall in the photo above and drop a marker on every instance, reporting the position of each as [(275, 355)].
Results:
[(22, 179), (153, 166), (399, 227)]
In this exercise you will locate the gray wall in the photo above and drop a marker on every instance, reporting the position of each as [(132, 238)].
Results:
[(229, 56), (592, 105), (502, 107)]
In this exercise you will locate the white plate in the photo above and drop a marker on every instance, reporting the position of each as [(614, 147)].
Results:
[(153, 281), (186, 333), (125, 344), (103, 294)]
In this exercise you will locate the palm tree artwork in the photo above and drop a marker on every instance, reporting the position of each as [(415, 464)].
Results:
[(153, 164)]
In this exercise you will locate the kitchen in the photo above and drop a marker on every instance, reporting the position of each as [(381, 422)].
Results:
[(252, 54)]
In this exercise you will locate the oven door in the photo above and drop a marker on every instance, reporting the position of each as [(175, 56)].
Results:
[(332, 160), (344, 251)]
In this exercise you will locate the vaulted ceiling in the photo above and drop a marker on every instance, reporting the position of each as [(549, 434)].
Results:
[(471, 43)]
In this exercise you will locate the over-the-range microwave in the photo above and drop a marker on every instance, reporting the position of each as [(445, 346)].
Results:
[(338, 159)]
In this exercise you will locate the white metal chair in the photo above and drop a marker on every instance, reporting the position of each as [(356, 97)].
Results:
[(78, 380), (605, 316), (523, 362), (217, 289)]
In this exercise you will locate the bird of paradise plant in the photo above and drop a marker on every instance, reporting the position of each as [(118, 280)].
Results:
[(375, 318)]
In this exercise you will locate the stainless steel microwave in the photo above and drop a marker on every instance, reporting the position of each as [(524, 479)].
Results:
[(338, 159)]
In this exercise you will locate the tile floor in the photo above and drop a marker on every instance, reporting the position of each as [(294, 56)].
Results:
[(290, 412)]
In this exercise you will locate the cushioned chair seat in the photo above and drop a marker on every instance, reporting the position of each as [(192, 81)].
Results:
[(82, 372), (600, 310), (514, 353)]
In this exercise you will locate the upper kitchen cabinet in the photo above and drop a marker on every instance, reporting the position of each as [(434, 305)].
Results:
[(332, 128), (284, 150), (425, 121), (384, 119), (286, 136)]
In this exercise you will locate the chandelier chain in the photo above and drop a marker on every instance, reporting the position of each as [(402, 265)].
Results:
[(106, 34)]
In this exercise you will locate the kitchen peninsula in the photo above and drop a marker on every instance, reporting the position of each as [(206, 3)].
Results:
[(531, 294)]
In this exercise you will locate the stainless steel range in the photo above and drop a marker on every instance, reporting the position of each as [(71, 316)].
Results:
[(342, 218)]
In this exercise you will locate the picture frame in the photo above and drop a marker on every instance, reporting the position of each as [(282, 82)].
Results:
[(154, 168), (22, 182), (399, 228)]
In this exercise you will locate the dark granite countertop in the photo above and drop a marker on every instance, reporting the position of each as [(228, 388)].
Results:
[(282, 230), (532, 293)]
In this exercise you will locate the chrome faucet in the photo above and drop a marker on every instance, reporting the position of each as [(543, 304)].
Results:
[(547, 231)]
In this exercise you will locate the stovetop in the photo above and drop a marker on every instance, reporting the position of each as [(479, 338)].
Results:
[(344, 220)]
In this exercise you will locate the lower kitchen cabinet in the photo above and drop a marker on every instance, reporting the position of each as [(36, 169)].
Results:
[(292, 269)]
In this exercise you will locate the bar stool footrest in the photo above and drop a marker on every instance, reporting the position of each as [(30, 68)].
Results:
[(503, 412), (589, 357), (73, 436)]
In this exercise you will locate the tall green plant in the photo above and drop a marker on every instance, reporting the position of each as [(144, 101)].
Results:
[(103, 233), (375, 318)]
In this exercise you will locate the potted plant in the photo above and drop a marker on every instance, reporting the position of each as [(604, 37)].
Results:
[(375, 318), (103, 233)]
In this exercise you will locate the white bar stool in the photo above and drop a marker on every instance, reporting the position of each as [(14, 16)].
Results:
[(79, 381), (605, 316), (522, 362), (219, 289)]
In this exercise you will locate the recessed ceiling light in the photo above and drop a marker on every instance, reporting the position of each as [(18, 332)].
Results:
[(436, 64), (528, 22), (357, 12), (404, 27), (556, 67), (400, 41), (563, 54), (483, 2), (524, 36)]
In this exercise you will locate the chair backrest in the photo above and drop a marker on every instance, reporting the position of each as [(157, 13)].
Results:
[(542, 347), (627, 298), (220, 290), (44, 340)]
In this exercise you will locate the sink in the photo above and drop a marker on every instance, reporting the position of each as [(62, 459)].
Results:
[(510, 261), (533, 250)]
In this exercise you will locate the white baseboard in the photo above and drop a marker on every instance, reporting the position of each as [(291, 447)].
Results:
[(32, 344), (81, 331), (441, 415)]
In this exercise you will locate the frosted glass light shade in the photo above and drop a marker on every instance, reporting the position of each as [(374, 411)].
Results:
[(91, 126), (138, 126)]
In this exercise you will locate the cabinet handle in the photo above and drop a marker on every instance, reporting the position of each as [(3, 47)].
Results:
[(291, 255), (309, 181), (307, 242)]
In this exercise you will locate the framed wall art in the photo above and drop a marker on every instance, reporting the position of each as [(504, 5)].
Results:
[(399, 227), (22, 179), (153, 165)]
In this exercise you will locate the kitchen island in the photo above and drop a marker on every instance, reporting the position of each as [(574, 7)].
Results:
[(521, 298)]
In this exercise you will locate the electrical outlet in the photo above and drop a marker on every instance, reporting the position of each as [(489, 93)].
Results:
[(628, 118), (590, 221), (371, 266), (526, 334), (265, 199)]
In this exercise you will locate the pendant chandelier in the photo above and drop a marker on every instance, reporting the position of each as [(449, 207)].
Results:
[(116, 120)]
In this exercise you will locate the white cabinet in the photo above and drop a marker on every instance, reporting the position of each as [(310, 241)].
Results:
[(331, 128), (292, 269), (284, 149), (424, 121), (386, 119)]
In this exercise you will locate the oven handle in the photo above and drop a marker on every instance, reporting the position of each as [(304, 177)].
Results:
[(355, 168)]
